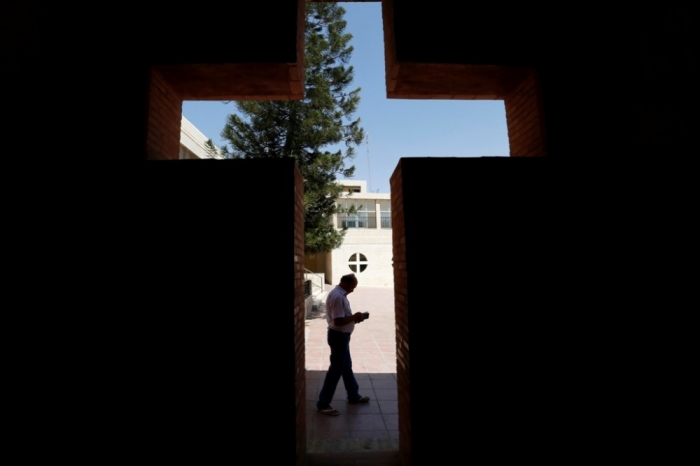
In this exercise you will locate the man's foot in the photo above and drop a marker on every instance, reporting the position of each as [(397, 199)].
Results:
[(328, 411), (362, 399)]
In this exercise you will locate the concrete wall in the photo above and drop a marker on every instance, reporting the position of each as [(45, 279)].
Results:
[(375, 245)]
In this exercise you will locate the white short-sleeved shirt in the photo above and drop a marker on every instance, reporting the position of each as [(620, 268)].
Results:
[(337, 305)]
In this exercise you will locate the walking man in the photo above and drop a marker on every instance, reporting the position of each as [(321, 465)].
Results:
[(341, 323)]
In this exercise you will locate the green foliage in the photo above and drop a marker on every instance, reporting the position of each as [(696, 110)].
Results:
[(212, 150)]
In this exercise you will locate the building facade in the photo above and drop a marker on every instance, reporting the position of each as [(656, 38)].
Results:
[(193, 143), (367, 248)]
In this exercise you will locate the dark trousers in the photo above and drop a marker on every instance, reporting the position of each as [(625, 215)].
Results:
[(341, 366)]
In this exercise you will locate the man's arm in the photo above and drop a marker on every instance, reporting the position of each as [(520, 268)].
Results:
[(356, 317)]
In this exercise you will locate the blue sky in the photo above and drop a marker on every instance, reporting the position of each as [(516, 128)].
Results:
[(396, 128)]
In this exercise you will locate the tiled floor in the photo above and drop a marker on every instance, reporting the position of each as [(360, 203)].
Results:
[(372, 426)]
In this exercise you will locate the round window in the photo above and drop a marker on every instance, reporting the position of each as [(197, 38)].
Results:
[(357, 263)]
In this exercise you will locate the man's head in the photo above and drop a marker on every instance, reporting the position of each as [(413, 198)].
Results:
[(348, 282)]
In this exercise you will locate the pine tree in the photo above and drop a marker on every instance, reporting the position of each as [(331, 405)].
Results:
[(309, 129)]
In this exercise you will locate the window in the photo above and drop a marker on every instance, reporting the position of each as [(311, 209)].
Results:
[(364, 213), (385, 213), (358, 263)]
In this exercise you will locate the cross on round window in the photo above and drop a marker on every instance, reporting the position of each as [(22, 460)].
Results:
[(358, 263)]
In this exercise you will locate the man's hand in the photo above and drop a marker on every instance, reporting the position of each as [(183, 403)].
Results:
[(356, 317)]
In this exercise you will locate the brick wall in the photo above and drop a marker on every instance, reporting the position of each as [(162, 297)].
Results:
[(299, 319), (164, 117), (524, 117), (401, 315)]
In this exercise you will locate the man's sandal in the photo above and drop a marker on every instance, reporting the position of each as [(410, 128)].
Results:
[(328, 411), (362, 399)]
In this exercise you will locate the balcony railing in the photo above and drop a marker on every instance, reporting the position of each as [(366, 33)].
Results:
[(362, 220), (357, 221)]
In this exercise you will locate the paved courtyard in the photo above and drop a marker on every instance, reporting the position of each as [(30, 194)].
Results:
[(372, 426)]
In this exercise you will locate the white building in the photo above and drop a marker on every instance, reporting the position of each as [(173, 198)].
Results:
[(193, 142), (367, 248)]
